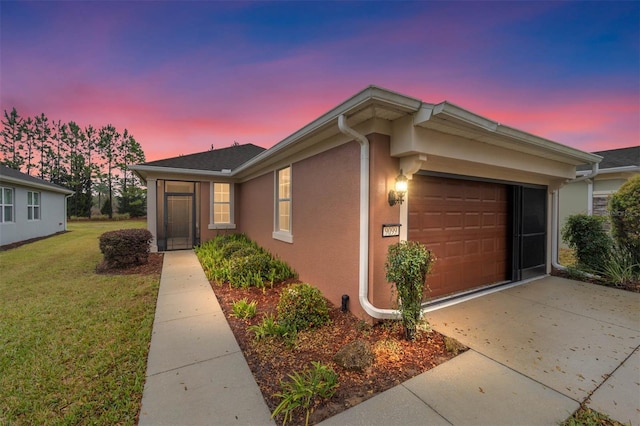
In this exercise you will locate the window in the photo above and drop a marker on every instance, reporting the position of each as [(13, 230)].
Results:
[(221, 203), (221, 211), (33, 205), (283, 205), (6, 205)]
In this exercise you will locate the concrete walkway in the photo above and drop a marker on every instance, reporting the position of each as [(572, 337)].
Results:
[(537, 351), (196, 372)]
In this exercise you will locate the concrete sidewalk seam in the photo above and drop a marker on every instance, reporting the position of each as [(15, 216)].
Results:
[(610, 374), (196, 363), (188, 317), (525, 376), (425, 402)]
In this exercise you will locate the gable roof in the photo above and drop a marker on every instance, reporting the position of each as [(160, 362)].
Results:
[(620, 157), (372, 103), (215, 160), (10, 175)]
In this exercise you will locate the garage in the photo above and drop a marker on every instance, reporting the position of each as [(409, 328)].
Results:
[(483, 233), (465, 223)]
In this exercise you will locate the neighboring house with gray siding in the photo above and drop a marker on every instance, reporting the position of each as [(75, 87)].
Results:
[(591, 196), (30, 207)]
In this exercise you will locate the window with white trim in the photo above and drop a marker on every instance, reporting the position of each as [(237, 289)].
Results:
[(221, 207), (283, 205), (221, 203), (6, 205), (33, 205)]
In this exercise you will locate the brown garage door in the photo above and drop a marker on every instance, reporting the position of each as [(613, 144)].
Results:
[(465, 224)]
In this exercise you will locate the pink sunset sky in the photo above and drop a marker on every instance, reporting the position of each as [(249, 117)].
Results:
[(183, 76)]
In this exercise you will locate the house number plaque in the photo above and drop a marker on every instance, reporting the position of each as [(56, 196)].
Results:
[(390, 230)]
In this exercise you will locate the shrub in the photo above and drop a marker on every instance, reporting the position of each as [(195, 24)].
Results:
[(407, 265), (228, 249), (269, 327), (301, 306), (586, 235), (244, 309), (235, 259), (320, 381), (125, 247), (248, 270), (624, 209)]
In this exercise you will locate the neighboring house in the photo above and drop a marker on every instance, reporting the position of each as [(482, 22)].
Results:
[(590, 195), (30, 207), (479, 195)]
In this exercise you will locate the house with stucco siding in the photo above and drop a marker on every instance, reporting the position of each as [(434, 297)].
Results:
[(479, 194)]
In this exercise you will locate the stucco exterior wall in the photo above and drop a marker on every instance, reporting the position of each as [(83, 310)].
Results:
[(325, 221), (573, 200), (52, 216), (383, 171)]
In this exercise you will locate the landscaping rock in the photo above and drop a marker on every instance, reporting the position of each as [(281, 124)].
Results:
[(355, 356)]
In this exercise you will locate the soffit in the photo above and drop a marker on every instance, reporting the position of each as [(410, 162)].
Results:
[(450, 119)]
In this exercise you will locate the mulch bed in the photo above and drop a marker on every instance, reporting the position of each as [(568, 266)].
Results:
[(272, 360)]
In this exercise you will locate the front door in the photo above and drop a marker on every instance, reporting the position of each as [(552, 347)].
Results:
[(179, 221)]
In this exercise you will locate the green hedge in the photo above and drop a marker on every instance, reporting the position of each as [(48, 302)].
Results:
[(235, 259), (125, 247)]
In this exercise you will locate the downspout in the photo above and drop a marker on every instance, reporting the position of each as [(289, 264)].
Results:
[(363, 276), (555, 219)]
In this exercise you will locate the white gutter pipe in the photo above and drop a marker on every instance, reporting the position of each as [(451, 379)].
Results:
[(555, 216), (363, 277)]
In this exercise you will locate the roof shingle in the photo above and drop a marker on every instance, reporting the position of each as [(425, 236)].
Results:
[(619, 157), (213, 160), (27, 179)]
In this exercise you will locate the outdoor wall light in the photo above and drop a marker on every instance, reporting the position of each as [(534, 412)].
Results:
[(396, 196)]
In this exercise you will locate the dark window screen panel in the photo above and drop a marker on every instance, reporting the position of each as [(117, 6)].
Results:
[(533, 249), (534, 210)]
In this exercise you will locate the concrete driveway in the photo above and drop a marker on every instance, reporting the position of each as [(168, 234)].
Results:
[(580, 340)]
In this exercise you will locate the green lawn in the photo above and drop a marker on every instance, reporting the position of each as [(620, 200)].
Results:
[(73, 344)]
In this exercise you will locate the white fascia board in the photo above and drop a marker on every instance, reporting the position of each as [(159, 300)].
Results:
[(370, 95), (546, 144), (41, 186), (453, 113), (178, 171), (450, 110), (621, 169)]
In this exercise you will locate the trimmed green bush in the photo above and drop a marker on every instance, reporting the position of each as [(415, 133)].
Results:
[(125, 247), (301, 306), (591, 243), (407, 266), (235, 259), (247, 271), (230, 248), (624, 209)]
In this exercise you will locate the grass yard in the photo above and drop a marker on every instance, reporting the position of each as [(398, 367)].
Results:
[(73, 344)]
